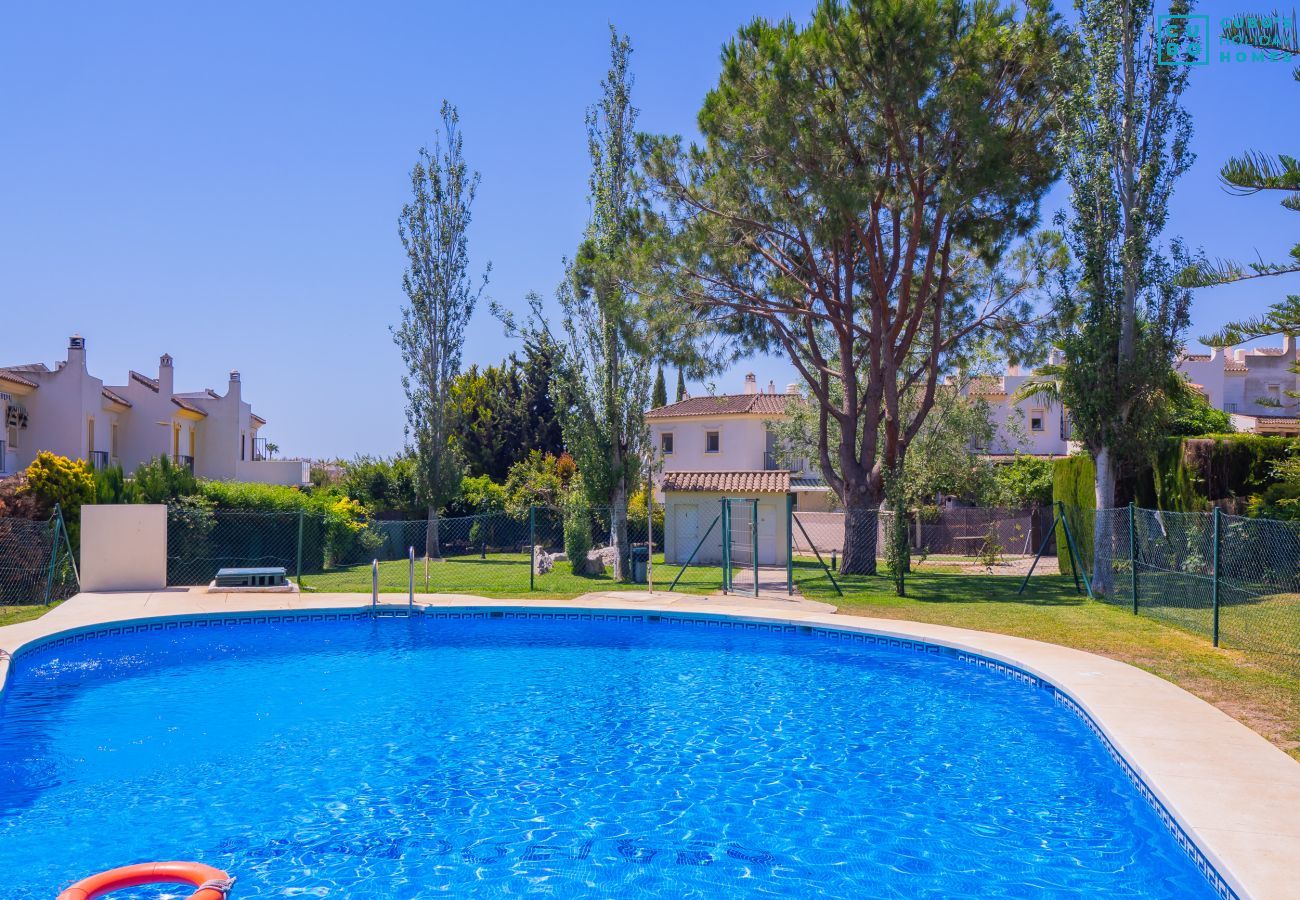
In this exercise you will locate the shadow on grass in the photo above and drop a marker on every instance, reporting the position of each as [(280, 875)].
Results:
[(934, 587)]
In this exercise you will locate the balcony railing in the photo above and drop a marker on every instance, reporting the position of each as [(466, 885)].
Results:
[(184, 462), (259, 449), (99, 459)]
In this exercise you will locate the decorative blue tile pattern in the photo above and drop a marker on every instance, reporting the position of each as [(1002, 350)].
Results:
[(1217, 882)]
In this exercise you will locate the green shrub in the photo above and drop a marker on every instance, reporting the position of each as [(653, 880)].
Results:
[(162, 481), (112, 486), (577, 531), (1025, 481), (534, 481), (190, 521), (52, 479), (1074, 484)]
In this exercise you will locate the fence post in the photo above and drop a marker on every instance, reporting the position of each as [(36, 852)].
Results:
[(1132, 554), (532, 544), (1215, 582), (298, 576), (56, 520), (789, 544)]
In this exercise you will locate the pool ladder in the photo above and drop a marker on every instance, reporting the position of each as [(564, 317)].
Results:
[(393, 610)]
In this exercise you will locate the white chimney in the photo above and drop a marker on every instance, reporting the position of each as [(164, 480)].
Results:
[(792, 388), (771, 387), (166, 383), (751, 384), (1014, 370), (233, 388), (77, 352)]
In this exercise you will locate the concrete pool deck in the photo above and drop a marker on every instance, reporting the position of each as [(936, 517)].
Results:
[(1235, 794)]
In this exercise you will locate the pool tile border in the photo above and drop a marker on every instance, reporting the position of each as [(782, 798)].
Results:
[(210, 621)]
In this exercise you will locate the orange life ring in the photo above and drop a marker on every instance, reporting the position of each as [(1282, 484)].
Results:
[(212, 884)]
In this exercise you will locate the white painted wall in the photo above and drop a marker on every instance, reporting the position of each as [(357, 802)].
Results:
[(274, 471), (742, 440), (687, 515), (124, 547), (1013, 422)]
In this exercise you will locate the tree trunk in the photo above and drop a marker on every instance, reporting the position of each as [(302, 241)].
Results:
[(860, 537), (618, 531), (1102, 524), (431, 535)]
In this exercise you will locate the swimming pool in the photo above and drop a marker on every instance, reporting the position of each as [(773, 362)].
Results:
[(574, 757)]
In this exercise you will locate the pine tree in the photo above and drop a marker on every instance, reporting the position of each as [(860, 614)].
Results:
[(681, 387)]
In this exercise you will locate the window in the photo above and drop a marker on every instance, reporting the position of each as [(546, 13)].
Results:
[(242, 440), (666, 443), (1036, 420), (1274, 395), (90, 435), (711, 442), (13, 437), (1230, 407), (191, 443), (112, 440)]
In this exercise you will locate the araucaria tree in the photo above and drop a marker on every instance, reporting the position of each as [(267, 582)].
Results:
[(856, 176), (1120, 314), (440, 299)]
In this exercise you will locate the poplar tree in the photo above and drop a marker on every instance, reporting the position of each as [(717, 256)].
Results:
[(1120, 312), (440, 298)]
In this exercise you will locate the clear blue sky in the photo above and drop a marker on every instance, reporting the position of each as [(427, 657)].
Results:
[(221, 181)]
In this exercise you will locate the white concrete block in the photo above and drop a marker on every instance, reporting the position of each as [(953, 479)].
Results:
[(124, 547)]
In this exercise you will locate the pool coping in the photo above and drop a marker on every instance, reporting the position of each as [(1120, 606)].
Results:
[(1235, 817)]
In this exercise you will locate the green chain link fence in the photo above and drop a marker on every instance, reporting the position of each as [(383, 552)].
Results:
[(36, 561), (1233, 579), (492, 554)]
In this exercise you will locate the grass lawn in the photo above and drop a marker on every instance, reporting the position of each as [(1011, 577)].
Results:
[(502, 575), (12, 615), (1259, 689)]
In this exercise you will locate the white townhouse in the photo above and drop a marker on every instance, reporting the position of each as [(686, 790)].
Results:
[(708, 448), (68, 411), (1035, 426), (1252, 385)]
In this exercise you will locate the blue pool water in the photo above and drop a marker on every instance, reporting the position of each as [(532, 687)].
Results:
[(403, 758)]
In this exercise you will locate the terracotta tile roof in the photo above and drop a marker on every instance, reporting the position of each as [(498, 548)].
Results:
[(987, 386), (150, 383), (256, 418), (1196, 357), (12, 376), (753, 482), (115, 397), (725, 405), (186, 405), (30, 367), (1268, 351), (1235, 367)]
